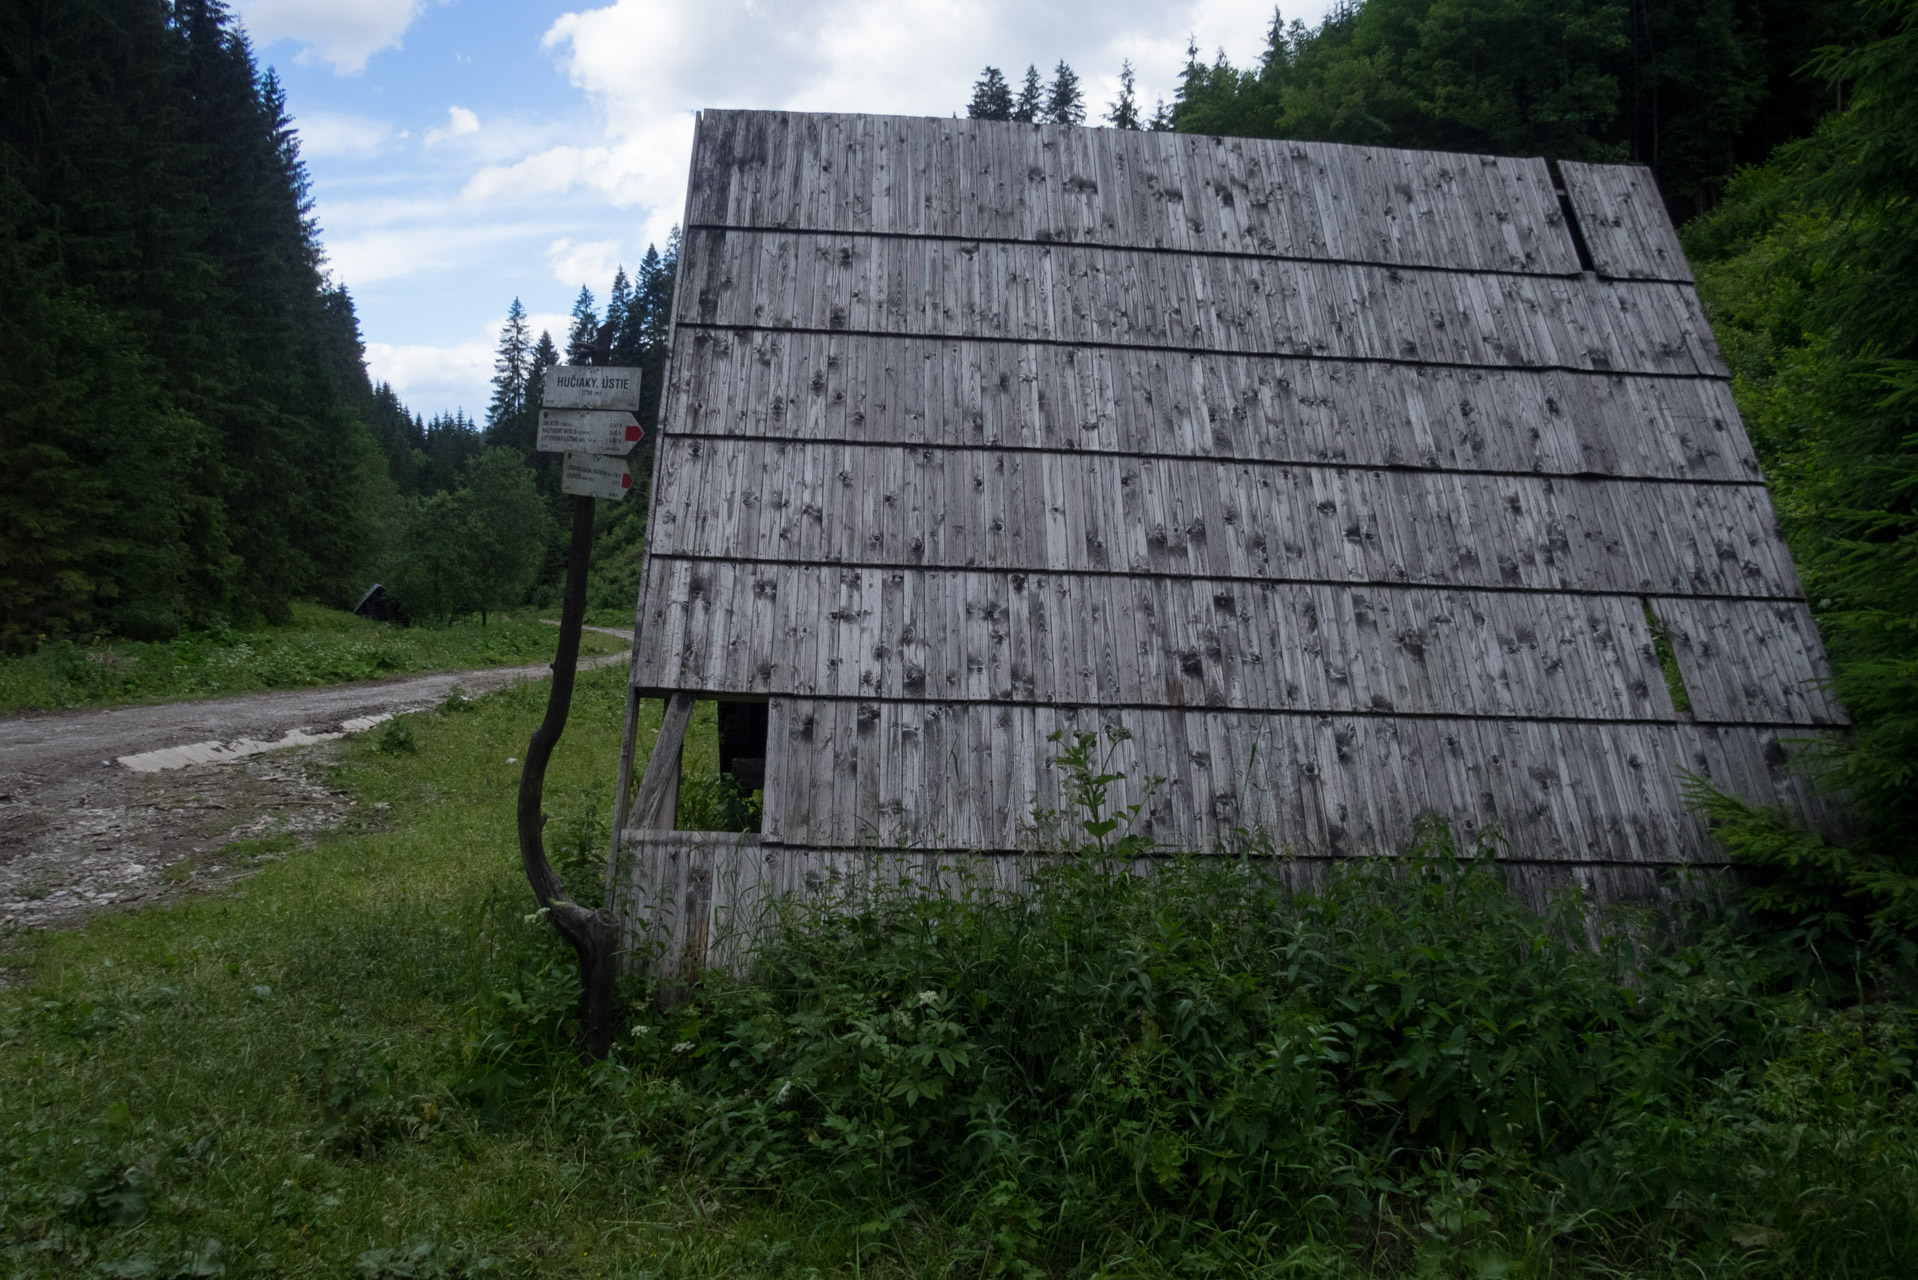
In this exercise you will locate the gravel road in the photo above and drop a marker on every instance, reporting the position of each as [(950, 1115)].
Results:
[(79, 832)]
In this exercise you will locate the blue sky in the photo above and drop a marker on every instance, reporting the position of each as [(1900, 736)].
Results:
[(465, 152)]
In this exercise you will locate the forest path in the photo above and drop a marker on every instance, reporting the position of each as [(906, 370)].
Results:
[(80, 831)]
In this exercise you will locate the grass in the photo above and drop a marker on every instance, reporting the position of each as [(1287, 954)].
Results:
[(359, 1064), (321, 646), (161, 1115)]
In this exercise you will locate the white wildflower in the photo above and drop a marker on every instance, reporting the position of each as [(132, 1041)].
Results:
[(785, 1091), (536, 917), (928, 997), (684, 1046)]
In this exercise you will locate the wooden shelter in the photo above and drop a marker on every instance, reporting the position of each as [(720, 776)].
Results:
[(1354, 483)]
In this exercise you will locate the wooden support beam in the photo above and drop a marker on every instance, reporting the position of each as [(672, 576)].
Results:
[(656, 804), (623, 788)]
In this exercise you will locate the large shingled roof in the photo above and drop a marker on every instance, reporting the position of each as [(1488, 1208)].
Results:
[(1350, 481)]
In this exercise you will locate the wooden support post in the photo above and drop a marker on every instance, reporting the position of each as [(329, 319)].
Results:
[(593, 934), (623, 789), (656, 805)]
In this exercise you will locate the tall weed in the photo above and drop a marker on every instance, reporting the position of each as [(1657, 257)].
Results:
[(1398, 1069), (1404, 1065)]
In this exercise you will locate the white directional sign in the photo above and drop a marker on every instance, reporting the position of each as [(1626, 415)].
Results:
[(576, 386), (592, 475), (587, 431)]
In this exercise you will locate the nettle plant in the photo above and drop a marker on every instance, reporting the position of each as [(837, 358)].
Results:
[(1101, 831)]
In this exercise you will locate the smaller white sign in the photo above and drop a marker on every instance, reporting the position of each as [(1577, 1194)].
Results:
[(579, 386), (587, 431), (592, 475)]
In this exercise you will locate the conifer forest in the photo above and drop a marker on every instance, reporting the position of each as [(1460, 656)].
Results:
[(319, 1027)]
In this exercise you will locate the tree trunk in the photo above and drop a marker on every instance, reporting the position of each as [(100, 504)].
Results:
[(593, 935)]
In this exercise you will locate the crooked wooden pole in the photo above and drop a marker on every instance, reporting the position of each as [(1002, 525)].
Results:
[(593, 934)]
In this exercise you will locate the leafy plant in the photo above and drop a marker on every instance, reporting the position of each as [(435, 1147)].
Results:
[(397, 738), (578, 846), (1089, 777), (717, 802), (355, 1082)]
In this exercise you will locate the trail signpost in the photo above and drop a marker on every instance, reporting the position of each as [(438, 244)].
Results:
[(599, 431), (583, 386), (590, 414), (588, 475)]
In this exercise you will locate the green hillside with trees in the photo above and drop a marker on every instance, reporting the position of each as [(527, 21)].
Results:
[(183, 403), (189, 440)]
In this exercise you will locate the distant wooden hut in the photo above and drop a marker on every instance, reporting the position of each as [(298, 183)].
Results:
[(1354, 483)]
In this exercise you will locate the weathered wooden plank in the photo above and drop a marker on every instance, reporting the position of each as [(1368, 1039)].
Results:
[(655, 804), (1144, 189), (1185, 642), (1137, 298), (755, 882), (1314, 784), (1624, 222), (1751, 661), (1317, 523)]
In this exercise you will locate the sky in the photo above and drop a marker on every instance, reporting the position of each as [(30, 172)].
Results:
[(467, 152)]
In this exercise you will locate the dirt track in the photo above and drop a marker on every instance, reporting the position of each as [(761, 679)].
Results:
[(80, 833)]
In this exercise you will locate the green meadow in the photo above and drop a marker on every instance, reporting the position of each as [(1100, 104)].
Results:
[(359, 1062)]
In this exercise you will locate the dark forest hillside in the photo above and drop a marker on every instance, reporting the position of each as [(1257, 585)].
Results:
[(183, 405), (1693, 88)]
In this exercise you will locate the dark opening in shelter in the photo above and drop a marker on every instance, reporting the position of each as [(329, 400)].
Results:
[(742, 742), (379, 605)]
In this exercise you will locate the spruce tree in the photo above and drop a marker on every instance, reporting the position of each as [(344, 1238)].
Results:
[(629, 340), (546, 466), (618, 303), (1124, 112), (991, 97), (400, 436), (656, 292), (585, 327), (1032, 97), (509, 375), (1065, 101), (652, 293), (545, 356)]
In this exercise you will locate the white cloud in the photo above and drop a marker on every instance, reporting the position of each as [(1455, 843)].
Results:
[(334, 133), (434, 379), (430, 243), (916, 57), (430, 379), (344, 33), (590, 262), (911, 57), (459, 123)]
